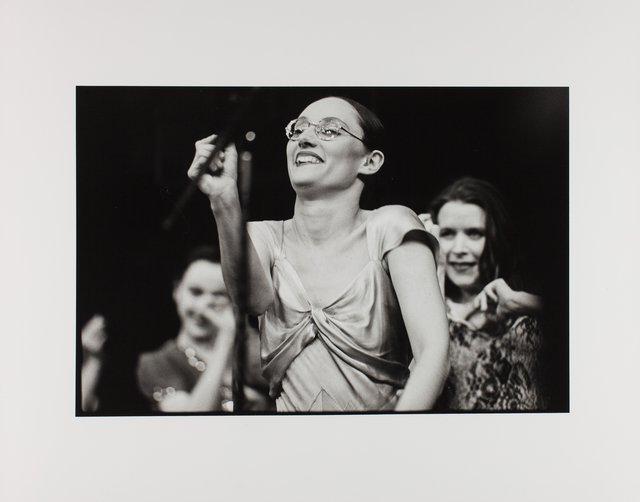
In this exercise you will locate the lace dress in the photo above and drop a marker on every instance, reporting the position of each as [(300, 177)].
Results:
[(494, 367)]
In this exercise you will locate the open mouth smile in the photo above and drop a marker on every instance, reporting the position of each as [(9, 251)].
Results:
[(199, 320), (305, 158)]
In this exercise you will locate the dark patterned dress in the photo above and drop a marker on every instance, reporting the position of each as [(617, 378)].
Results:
[(494, 367)]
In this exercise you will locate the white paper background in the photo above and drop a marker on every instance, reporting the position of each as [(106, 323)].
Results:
[(47, 48)]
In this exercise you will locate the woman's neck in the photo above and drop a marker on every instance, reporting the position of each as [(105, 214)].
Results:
[(317, 220), (462, 295), (465, 296), (461, 308)]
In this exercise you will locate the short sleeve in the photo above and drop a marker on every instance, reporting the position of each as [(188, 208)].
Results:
[(266, 237), (390, 226)]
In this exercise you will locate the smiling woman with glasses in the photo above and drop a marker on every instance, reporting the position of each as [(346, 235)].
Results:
[(346, 297)]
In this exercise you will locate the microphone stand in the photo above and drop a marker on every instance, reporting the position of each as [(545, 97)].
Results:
[(244, 178), (221, 143), (240, 346)]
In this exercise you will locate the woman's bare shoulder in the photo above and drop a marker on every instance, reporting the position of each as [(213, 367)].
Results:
[(393, 210)]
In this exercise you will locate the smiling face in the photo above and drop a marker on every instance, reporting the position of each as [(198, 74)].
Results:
[(462, 241), (201, 287), (314, 163)]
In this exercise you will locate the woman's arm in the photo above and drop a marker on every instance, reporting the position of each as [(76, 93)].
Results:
[(413, 272), (92, 337), (89, 376), (228, 216), (506, 300), (223, 196), (206, 395)]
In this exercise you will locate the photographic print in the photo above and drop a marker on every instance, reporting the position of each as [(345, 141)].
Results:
[(431, 296), (407, 250)]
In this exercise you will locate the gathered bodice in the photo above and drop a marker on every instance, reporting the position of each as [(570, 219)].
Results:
[(350, 354)]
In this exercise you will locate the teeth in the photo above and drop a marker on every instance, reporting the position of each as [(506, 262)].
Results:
[(307, 159)]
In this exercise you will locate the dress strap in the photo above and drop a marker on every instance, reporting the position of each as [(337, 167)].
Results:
[(282, 253)]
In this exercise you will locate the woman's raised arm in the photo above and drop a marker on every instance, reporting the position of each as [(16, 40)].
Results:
[(222, 191)]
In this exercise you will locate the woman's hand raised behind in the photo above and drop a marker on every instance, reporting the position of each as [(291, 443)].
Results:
[(499, 295)]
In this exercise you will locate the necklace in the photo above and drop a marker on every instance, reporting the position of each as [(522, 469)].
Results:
[(193, 359)]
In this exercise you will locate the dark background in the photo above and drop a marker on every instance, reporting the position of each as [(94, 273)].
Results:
[(134, 145)]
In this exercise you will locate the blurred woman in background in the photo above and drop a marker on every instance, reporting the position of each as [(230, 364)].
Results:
[(495, 336), (193, 371)]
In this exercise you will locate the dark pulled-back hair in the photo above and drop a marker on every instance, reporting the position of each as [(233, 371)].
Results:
[(373, 130), (500, 257), (205, 253)]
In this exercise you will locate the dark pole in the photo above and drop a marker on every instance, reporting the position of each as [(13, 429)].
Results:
[(244, 178), (222, 141), (239, 349)]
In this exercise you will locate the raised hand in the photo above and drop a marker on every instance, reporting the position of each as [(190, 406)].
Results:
[(224, 319), (429, 225), (94, 335), (225, 166), (499, 295)]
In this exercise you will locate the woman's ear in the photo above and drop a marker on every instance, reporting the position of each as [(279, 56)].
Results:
[(372, 163)]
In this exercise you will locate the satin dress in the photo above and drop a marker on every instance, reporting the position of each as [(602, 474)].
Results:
[(351, 354)]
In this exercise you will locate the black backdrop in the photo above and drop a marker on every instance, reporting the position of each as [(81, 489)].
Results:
[(134, 145)]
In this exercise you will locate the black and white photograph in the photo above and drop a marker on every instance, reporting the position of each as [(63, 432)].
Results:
[(393, 259), (325, 251)]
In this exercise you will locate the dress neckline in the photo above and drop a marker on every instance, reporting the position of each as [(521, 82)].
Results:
[(303, 290), (298, 280)]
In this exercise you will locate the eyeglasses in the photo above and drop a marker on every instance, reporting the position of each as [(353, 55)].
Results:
[(326, 129)]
